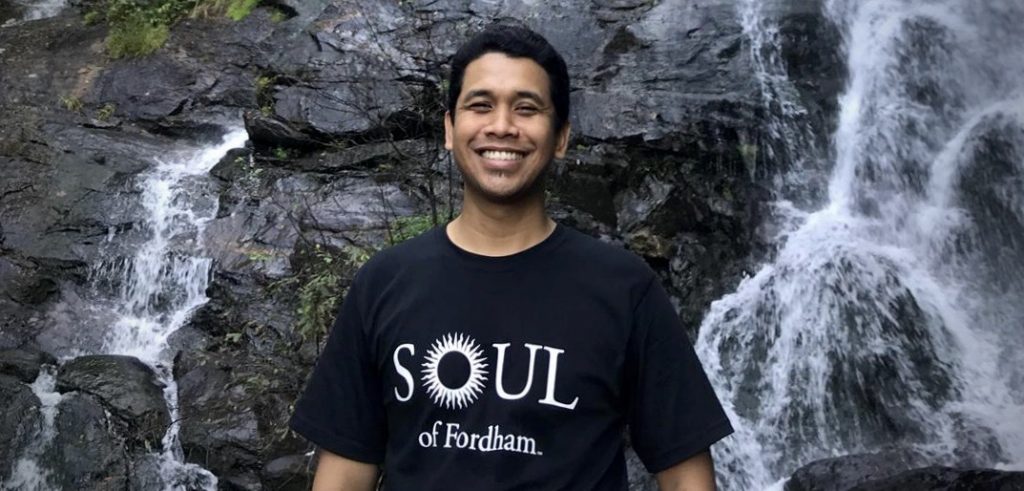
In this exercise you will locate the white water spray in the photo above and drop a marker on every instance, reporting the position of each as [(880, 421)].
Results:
[(888, 316), (28, 474)]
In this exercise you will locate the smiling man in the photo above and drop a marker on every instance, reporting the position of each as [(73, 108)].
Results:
[(503, 350)]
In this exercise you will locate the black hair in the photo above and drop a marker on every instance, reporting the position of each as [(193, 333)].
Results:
[(515, 42)]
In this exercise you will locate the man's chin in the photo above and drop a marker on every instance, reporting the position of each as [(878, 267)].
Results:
[(507, 197)]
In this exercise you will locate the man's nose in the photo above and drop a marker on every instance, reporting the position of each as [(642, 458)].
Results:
[(502, 124)]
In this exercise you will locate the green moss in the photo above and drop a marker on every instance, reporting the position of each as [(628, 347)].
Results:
[(240, 9)]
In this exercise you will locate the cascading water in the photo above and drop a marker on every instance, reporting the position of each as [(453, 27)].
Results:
[(166, 281), (891, 315), (159, 287)]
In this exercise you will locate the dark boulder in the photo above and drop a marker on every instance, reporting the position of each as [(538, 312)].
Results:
[(88, 445), (843, 473), (20, 421), (125, 385), (947, 479), (24, 363)]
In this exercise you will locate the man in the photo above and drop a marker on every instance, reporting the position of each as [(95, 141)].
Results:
[(505, 351)]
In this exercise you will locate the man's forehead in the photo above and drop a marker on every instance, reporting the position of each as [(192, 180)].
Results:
[(494, 74)]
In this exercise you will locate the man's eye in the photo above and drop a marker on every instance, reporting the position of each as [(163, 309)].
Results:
[(526, 110), (479, 106)]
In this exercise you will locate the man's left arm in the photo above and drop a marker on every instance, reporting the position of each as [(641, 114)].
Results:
[(696, 473), (674, 415)]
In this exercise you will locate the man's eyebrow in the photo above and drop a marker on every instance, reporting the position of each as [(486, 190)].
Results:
[(520, 94), (526, 94), (479, 93)]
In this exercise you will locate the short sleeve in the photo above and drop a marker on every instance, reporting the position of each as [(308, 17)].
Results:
[(342, 409), (673, 411)]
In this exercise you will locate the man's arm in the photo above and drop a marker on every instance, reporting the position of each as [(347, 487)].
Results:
[(336, 473), (696, 473)]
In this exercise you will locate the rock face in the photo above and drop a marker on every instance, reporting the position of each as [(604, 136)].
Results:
[(126, 386), (343, 101)]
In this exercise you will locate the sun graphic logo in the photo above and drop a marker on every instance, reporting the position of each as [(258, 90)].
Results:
[(455, 397)]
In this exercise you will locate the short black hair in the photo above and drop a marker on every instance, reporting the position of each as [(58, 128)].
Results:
[(515, 42)]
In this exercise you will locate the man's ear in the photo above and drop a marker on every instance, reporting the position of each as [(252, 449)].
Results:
[(562, 143), (448, 130)]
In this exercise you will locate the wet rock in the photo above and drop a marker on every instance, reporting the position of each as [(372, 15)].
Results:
[(24, 363), (947, 479), (232, 407), (150, 87), (275, 131), (218, 430), (19, 421), (848, 471), (125, 385), (145, 473), (88, 445), (11, 11), (66, 191)]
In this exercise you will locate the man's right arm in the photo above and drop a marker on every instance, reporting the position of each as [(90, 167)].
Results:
[(336, 473)]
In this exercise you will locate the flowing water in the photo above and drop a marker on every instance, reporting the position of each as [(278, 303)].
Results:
[(158, 288), (41, 9), (891, 314)]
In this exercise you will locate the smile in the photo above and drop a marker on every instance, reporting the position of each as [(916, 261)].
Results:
[(501, 155)]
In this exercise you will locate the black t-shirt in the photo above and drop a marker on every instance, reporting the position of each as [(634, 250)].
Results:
[(461, 371)]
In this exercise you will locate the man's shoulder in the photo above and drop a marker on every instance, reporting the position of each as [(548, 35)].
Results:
[(604, 251), (393, 260), (605, 258)]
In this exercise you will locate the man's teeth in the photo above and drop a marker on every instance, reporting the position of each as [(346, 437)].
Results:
[(499, 155)]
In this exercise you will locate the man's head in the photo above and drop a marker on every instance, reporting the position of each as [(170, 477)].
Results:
[(508, 108), (514, 42)]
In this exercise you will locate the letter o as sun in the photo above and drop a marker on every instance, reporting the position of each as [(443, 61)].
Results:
[(469, 392)]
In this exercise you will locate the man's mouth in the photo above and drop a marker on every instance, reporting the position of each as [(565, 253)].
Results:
[(501, 155)]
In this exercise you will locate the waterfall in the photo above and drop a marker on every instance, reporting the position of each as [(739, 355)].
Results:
[(166, 280), (891, 314), (157, 289)]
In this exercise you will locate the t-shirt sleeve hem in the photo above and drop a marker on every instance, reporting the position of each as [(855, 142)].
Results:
[(338, 445), (693, 446)]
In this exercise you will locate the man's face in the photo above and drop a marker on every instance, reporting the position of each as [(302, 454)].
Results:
[(504, 135)]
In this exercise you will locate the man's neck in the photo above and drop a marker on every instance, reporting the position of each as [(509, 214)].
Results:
[(491, 229)]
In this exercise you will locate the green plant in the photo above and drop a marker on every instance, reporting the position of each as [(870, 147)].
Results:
[(278, 15), (71, 103), (92, 17), (104, 113), (134, 37), (407, 227), (281, 153), (264, 84)]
